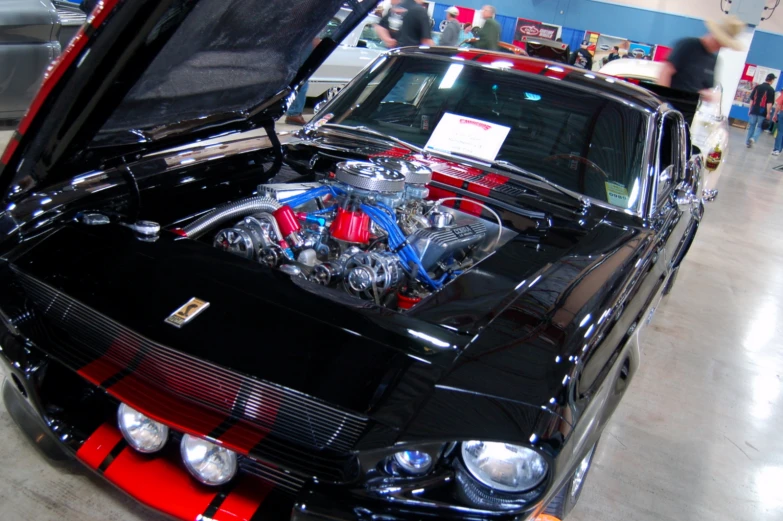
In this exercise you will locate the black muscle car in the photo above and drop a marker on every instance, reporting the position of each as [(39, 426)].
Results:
[(424, 305)]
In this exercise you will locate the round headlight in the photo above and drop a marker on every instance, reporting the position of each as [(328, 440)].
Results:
[(413, 461), (142, 433), (209, 463), (502, 466)]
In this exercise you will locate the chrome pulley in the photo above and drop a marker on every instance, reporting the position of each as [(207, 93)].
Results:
[(372, 275)]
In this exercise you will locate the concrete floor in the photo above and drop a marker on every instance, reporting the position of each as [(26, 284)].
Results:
[(697, 436)]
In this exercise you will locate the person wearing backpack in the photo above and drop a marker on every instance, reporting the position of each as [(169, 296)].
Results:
[(761, 100)]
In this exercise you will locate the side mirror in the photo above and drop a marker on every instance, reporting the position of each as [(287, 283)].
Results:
[(686, 192), (361, 44)]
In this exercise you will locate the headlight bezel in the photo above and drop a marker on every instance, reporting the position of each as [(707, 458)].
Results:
[(496, 487)]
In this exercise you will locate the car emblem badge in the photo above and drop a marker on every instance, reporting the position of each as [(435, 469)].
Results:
[(190, 310)]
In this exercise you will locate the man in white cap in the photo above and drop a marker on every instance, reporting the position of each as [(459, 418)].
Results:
[(450, 35), (691, 65)]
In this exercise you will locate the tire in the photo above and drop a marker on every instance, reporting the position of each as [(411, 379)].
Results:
[(330, 94), (565, 500)]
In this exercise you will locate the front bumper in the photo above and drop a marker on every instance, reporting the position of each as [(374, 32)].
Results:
[(78, 422)]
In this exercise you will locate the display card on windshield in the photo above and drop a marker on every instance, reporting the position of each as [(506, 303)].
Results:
[(471, 137)]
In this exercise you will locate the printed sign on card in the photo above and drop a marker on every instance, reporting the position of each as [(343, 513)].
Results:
[(471, 137)]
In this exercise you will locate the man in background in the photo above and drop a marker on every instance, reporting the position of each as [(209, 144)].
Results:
[(451, 32), (761, 100), (691, 65), (406, 24), (582, 57), (489, 33), (615, 54)]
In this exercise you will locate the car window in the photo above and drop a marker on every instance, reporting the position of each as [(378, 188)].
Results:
[(330, 28), (581, 141), (371, 37), (669, 165)]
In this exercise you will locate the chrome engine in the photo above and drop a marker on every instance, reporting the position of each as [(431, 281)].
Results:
[(368, 230)]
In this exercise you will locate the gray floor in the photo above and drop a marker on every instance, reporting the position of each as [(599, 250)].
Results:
[(5, 136), (697, 437)]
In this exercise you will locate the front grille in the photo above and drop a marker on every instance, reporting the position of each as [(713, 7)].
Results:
[(323, 433), (282, 478)]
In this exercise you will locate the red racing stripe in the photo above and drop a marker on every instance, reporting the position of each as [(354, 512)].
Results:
[(395, 152), (243, 501), (177, 413), (118, 357), (160, 483), (63, 62), (95, 449)]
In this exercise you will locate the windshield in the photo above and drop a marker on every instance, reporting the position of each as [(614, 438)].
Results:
[(584, 142)]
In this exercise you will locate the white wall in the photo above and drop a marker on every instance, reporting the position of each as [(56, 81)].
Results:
[(703, 9)]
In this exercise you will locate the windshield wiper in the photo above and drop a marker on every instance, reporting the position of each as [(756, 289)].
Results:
[(511, 167), (366, 130)]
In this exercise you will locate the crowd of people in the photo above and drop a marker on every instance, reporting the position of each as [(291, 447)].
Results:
[(407, 23), (690, 67)]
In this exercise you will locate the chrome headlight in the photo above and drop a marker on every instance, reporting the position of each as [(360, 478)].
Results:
[(502, 466), (141, 432), (209, 463)]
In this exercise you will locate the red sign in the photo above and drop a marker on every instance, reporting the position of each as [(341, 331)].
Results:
[(548, 32), (533, 29), (466, 15)]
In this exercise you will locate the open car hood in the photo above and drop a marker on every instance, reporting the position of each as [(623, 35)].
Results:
[(149, 74)]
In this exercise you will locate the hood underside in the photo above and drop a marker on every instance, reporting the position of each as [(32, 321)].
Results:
[(158, 74)]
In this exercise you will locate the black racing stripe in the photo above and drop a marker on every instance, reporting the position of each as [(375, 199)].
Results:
[(465, 185), (132, 366), (217, 501), (221, 429), (109, 459), (479, 55), (276, 505), (236, 411)]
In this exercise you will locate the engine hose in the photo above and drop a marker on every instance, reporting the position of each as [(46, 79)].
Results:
[(229, 212)]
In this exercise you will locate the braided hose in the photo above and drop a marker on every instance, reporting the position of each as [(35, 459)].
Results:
[(228, 212)]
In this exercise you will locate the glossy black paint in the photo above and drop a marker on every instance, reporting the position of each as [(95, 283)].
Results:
[(534, 346)]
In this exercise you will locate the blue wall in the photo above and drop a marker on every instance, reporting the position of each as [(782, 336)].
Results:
[(635, 24)]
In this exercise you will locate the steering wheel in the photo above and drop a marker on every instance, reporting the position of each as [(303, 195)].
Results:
[(579, 159)]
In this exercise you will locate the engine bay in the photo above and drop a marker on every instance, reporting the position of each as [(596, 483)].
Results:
[(367, 228)]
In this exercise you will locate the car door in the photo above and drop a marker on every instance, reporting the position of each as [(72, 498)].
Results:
[(670, 220)]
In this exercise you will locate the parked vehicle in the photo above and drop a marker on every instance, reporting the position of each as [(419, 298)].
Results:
[(359, 48), (547, 49), (71, 19), (709, 127), (28, 44), (425, 305)]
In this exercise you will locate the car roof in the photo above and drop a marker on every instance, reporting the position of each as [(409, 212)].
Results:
[(601, 84)]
